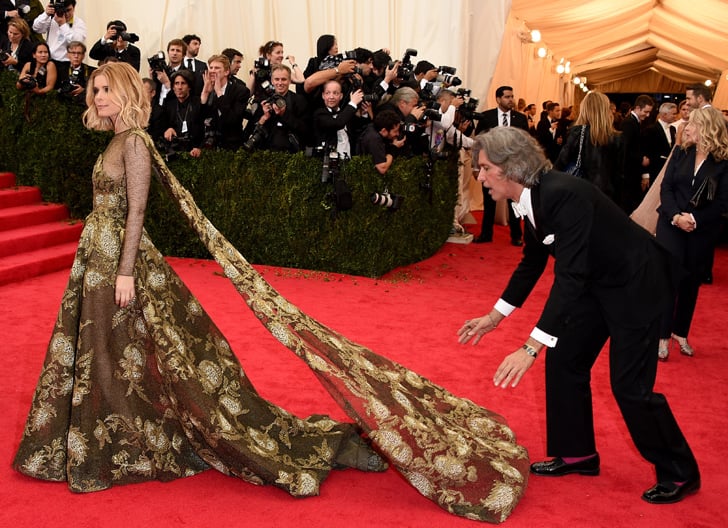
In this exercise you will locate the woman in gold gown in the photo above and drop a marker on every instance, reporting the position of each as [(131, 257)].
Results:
[(139, 384)]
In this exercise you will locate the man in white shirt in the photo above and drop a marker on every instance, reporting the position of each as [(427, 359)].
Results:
[(60, 27)]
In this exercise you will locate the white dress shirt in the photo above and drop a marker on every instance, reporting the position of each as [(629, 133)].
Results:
[(58, 37)]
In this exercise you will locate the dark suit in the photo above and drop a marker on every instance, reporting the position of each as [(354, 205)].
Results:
[(24, 52), (551, 142), (227, 114), (632, 192), (327, 123), (611, 278), (656, 147), (694, 250), (130, 55), (198, 68), (488, 121)]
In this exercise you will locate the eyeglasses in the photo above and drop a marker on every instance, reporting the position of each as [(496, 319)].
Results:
[(75, 52)]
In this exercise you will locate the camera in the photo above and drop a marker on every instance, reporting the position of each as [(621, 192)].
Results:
[(59, 6), (406, 68), (171, 149), (74, 81), (276, 100), (371, 98), (387, 199), (4, 55), (158, 63), (332, 61), (330, 167), (262, 69), (259, 134), (125, 36), (446, 75), (467, 109), (28, 82)]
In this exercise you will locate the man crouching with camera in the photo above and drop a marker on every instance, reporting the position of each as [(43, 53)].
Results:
[(72, 79), (280, 119)]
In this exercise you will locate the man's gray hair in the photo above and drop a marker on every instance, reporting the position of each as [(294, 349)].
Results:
[(515, 152), (667, 108), (406, 94)]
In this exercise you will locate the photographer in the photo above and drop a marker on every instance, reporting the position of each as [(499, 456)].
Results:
[(279, 122), (116, 42), (405, 103), (72, 79), (381, 133), (226, 101), (59, 25), (182, 118), (39, 75), (331, 124), (16, 49), (161, 72), (270, 54), (327, 65)]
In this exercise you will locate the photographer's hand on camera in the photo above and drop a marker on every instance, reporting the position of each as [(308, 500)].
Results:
[(418, 112), (390, 74), (356, 97)]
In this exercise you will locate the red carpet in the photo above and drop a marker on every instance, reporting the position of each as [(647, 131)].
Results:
[(411, 315)]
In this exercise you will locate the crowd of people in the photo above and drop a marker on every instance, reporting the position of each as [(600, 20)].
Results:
[(331, 104)]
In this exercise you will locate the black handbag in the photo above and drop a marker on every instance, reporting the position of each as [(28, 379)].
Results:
[(705, 193), (575, 168)]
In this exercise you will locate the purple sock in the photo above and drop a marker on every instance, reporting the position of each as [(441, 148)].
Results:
[(574, 460)]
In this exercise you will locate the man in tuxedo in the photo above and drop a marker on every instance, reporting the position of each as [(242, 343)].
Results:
[(112, 44), (226, 103), (636, 174), (193, 64), (550, 131), (610, 281), (504, 115), (659, 139)]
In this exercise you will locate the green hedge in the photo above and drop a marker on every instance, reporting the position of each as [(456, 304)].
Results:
[(271, 206)]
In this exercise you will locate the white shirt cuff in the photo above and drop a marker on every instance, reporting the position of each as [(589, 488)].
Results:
[(504, 308), (543, 337)]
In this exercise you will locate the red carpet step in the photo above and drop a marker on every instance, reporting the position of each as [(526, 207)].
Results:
[(35, 237)]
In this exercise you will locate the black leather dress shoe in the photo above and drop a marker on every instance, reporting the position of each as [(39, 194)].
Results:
[(557, 467), (482, 240), (669, 492)]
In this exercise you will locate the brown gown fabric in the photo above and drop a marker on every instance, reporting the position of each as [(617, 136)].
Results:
[(153, 391)]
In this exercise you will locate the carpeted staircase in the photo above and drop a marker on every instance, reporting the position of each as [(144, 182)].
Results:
[(35, 237)]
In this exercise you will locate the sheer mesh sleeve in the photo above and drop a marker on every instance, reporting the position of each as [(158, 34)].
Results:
[(137, 169)]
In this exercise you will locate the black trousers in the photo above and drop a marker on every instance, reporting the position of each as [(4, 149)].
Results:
[(486, 230), (633, 367)]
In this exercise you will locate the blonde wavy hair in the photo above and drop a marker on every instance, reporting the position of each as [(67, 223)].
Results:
[(595, 111), (713, 133), (126, 90)]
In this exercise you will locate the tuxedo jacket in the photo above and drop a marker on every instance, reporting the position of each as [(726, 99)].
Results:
[(130, 55), (227, 114), (199, 68), (549, 141), (490, 120), (656, 147), (599, 252), (326, 123)]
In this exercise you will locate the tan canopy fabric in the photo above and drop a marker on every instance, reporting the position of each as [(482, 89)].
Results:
[(632, 45)]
